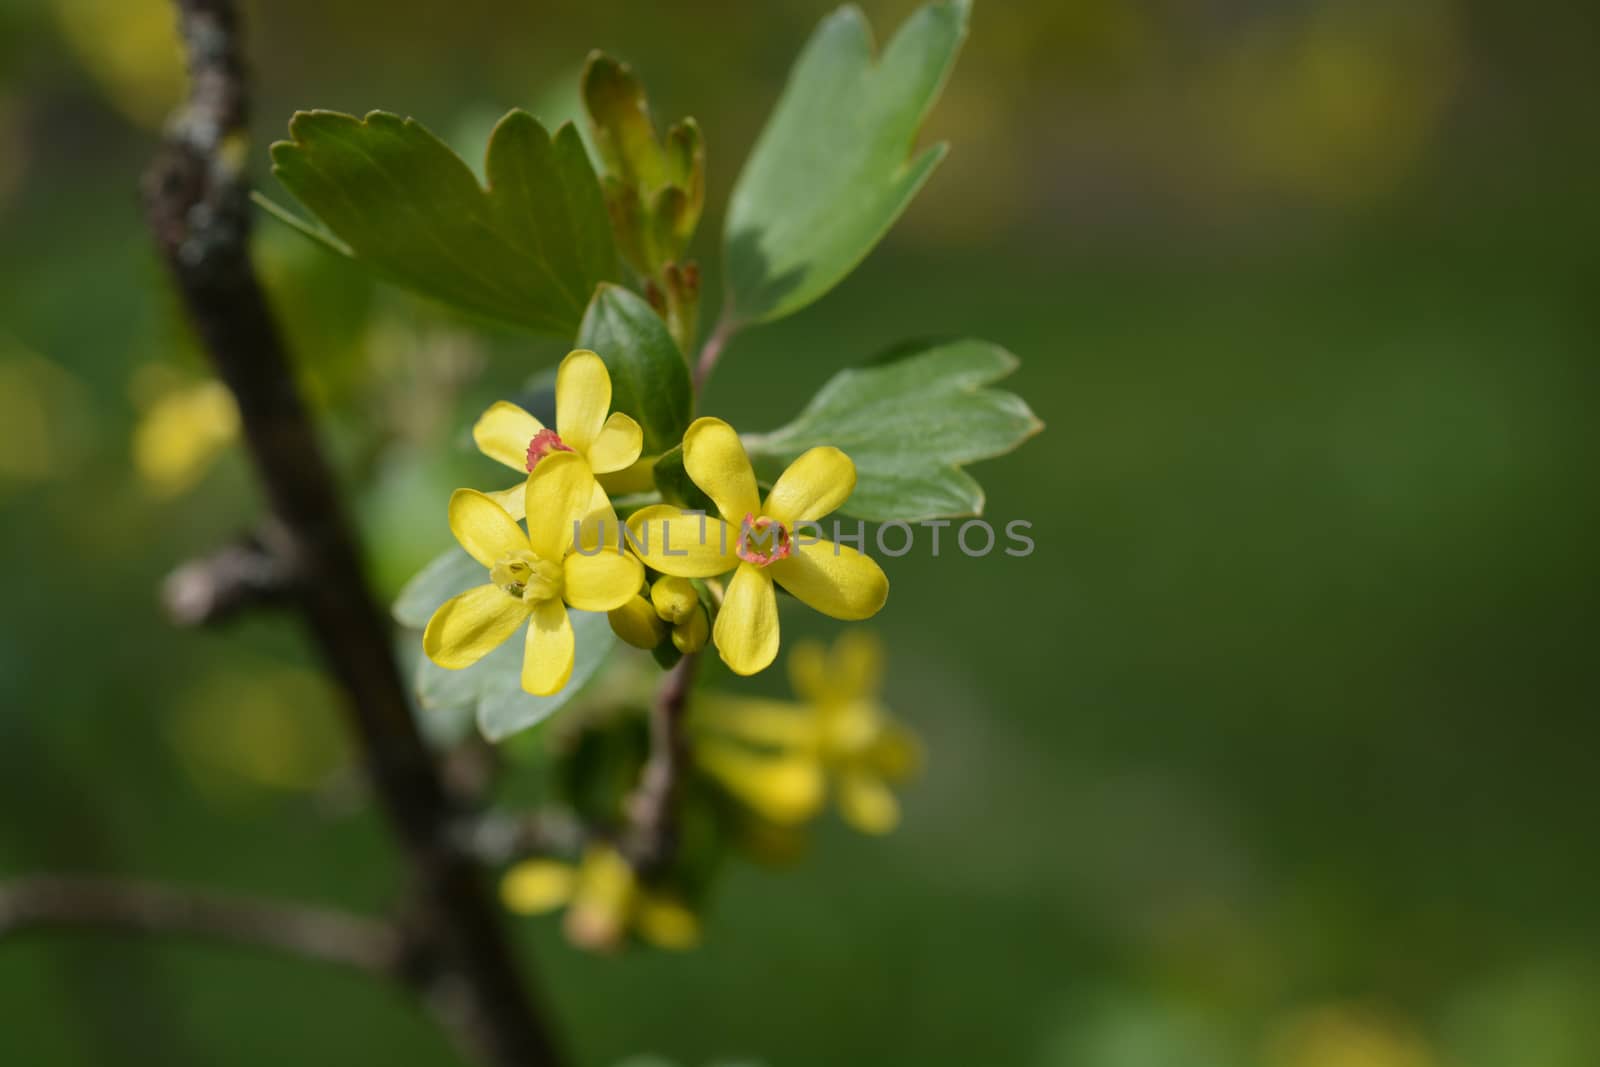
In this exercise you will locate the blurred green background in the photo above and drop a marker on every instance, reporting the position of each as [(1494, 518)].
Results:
[(1279, 751)]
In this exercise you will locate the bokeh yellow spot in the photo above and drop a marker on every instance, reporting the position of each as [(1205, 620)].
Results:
[(130, 48)]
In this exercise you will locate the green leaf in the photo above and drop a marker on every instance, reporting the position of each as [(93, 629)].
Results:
[(528, 250), (492, 687), (649, 376), (909, 422), (830, 173)]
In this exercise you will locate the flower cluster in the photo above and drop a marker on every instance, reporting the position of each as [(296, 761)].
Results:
[(781, 759), (673, 581), (575, 552), (605, 901)]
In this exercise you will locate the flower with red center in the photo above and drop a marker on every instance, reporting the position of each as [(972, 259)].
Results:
[(606, 443), (762, 541), (544, 442), (758, 541)]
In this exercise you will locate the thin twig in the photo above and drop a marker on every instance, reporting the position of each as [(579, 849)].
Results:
[(501, 838), (57, 902), (197, 203), (652, 830), (712, 351), (240, 576)]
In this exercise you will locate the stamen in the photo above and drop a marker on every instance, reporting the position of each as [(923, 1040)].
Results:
[(762, 541), (545, 442)]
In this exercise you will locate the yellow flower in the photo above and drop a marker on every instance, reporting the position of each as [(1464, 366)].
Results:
[(128, 47), (759, 542), (180, 434), (607, 444), (532, 576), (673, 608), (604, 899), (1346, 1035), (778, 757)]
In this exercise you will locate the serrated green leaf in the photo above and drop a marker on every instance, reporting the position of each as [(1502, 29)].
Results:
[(909, 422), (528, 250), (830, 173), (492, 687), (649, 376)]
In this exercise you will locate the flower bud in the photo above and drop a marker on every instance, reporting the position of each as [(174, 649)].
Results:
[(637, 623)]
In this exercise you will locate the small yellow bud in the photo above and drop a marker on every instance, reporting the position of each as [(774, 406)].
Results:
[(666, 923), (636, 623), (603, 901), (536, 886), (691, 634), (674, 598)]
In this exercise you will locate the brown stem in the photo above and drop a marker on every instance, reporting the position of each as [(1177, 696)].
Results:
[(53, 902), (652, 833), (196, 201)]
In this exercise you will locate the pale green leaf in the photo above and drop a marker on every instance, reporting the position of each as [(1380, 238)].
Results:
[(830, 173), (492, 687), (909, 422), (528, 250), (448, 574)]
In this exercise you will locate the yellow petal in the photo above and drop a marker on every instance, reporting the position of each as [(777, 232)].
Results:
[(618, 445), (534, 887), (808, 672), (674, 598), (483, 528), (867, 803), (560, 492), (547, 656), (666, 923), (637, 623), (503, 433), (600, 525), (680, 543), (833, 579), (513, 499), (691, 634), (603, 900), (814, 485), (856, 662), (784, 788), (469, 627), (770, 723), (606, 580), (174, 442), (716, 462), (747, 627), (583, 396)]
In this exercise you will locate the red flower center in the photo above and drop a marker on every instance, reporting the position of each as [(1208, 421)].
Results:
[(545, 442), (762, 541)]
